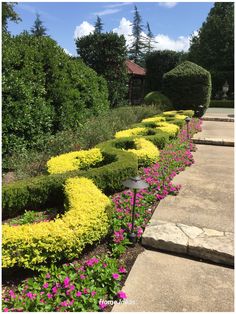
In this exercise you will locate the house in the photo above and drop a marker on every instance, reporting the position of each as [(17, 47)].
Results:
[(136, 82)]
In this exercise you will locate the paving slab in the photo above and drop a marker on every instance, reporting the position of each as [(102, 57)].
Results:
[(160, 282), (206, 197), (212, 245), (217, 130), (219, 112)]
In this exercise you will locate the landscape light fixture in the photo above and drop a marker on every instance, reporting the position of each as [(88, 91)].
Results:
[(187, 120), (134, 183), (225, 89)]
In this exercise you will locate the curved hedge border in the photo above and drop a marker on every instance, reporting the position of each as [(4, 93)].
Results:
[(85, 222)]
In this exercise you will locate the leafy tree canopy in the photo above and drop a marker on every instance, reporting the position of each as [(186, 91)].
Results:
[(8, 13)]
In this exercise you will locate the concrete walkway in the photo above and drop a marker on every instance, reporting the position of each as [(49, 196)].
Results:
[(203, 214)]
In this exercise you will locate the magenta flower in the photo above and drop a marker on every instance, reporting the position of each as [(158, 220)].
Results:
[(86, 291), (93, 293), (122, 295), (47, 276), (122, 270), (6, 309), (49, 295), (102, 305), (72, 287), (64, 303), (12, 294), (45, 286), (78, 294), (54, 290), (92, 261), (66, 282), (30, 295), (104, 265), (115, 276), (82, 277)]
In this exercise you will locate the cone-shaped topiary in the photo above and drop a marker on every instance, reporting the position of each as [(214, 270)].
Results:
[(189, 87)]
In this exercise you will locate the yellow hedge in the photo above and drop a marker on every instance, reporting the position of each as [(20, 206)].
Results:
[(130, 132), (74, 160), (146, 151), (171, 129), (154, 119), (84, 222)]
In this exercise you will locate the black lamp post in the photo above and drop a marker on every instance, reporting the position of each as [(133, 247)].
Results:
[(134, 183), (187, 120)]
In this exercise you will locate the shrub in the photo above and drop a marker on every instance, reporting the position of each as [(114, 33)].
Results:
[(146, 151), (188, 86), (222, 103), (130, 132), (158, 99), (47, 190), (74, 160), (85, 222)]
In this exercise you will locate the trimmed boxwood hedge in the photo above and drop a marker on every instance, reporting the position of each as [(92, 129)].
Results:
[(222, 103), (188, 86)]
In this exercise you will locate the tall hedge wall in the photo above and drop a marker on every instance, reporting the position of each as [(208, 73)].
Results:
[(44, 91), (188, 86)]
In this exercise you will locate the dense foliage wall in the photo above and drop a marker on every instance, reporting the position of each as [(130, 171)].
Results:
[(44, 91), (106, 54)]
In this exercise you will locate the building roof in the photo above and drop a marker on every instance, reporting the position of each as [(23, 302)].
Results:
[(134, 68)]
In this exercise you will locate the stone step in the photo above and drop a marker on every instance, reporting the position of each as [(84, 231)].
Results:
[(213, 141), (226, 119), (204, 243)]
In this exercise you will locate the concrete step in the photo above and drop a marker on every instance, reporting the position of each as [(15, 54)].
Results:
[(213, 141), (225, 119), (212, 245)]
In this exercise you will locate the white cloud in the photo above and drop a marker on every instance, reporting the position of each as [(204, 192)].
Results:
[(165, 42), (116, 5), (107, 12), (125, 28), (168, 5), (67, 52), (83, 29)]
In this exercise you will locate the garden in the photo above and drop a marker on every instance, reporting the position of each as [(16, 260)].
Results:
[(70, 234)]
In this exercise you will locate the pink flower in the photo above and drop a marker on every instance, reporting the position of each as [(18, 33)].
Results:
[(115, 276), (41, 293), (122, 295), (122, 270), (85, 291), (92, 261), (54, 289), (6, 310), (102, 305), (30, 295), (104, 265), (78, 294), (45, 286), (68, 292), (66, 282), (82, 277), (12, 294), (49, 295), (63, 303), (93, 293), (47, 276), (72, 287)]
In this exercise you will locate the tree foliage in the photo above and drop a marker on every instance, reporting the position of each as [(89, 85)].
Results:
[(8, 13), (157, 64), (38, 29), (98, 25), (213, 47), (106, 54), (44, 91)]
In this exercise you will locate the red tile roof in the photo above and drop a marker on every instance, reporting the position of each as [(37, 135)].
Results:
[(133, 68)]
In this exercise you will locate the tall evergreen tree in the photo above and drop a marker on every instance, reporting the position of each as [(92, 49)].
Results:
[(136, 51), (8, 13), (98, 25), (38, 29), (150, 39)]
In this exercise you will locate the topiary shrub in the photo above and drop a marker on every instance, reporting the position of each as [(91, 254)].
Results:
[(158, 99), (189, 87)]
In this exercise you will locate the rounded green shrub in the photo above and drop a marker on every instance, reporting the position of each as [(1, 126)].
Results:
[(158, 99), (189, 87)]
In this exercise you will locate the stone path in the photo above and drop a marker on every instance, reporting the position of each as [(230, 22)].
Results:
[(198, 222)]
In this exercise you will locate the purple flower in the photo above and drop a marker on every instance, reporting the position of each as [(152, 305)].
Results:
[(122, 295), (115, 276)]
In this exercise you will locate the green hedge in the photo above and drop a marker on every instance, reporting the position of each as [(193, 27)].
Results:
[(222, 103), (158, 99), (188, 86), (46, 191)]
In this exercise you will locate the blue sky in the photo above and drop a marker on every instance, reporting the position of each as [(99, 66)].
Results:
[(171, 23)]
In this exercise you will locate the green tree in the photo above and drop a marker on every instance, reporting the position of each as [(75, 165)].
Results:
[(138, 46), (98, 25), (8, 13), (106, 54), (213, 46), (38, 29), (157, 64), (150, 39)]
